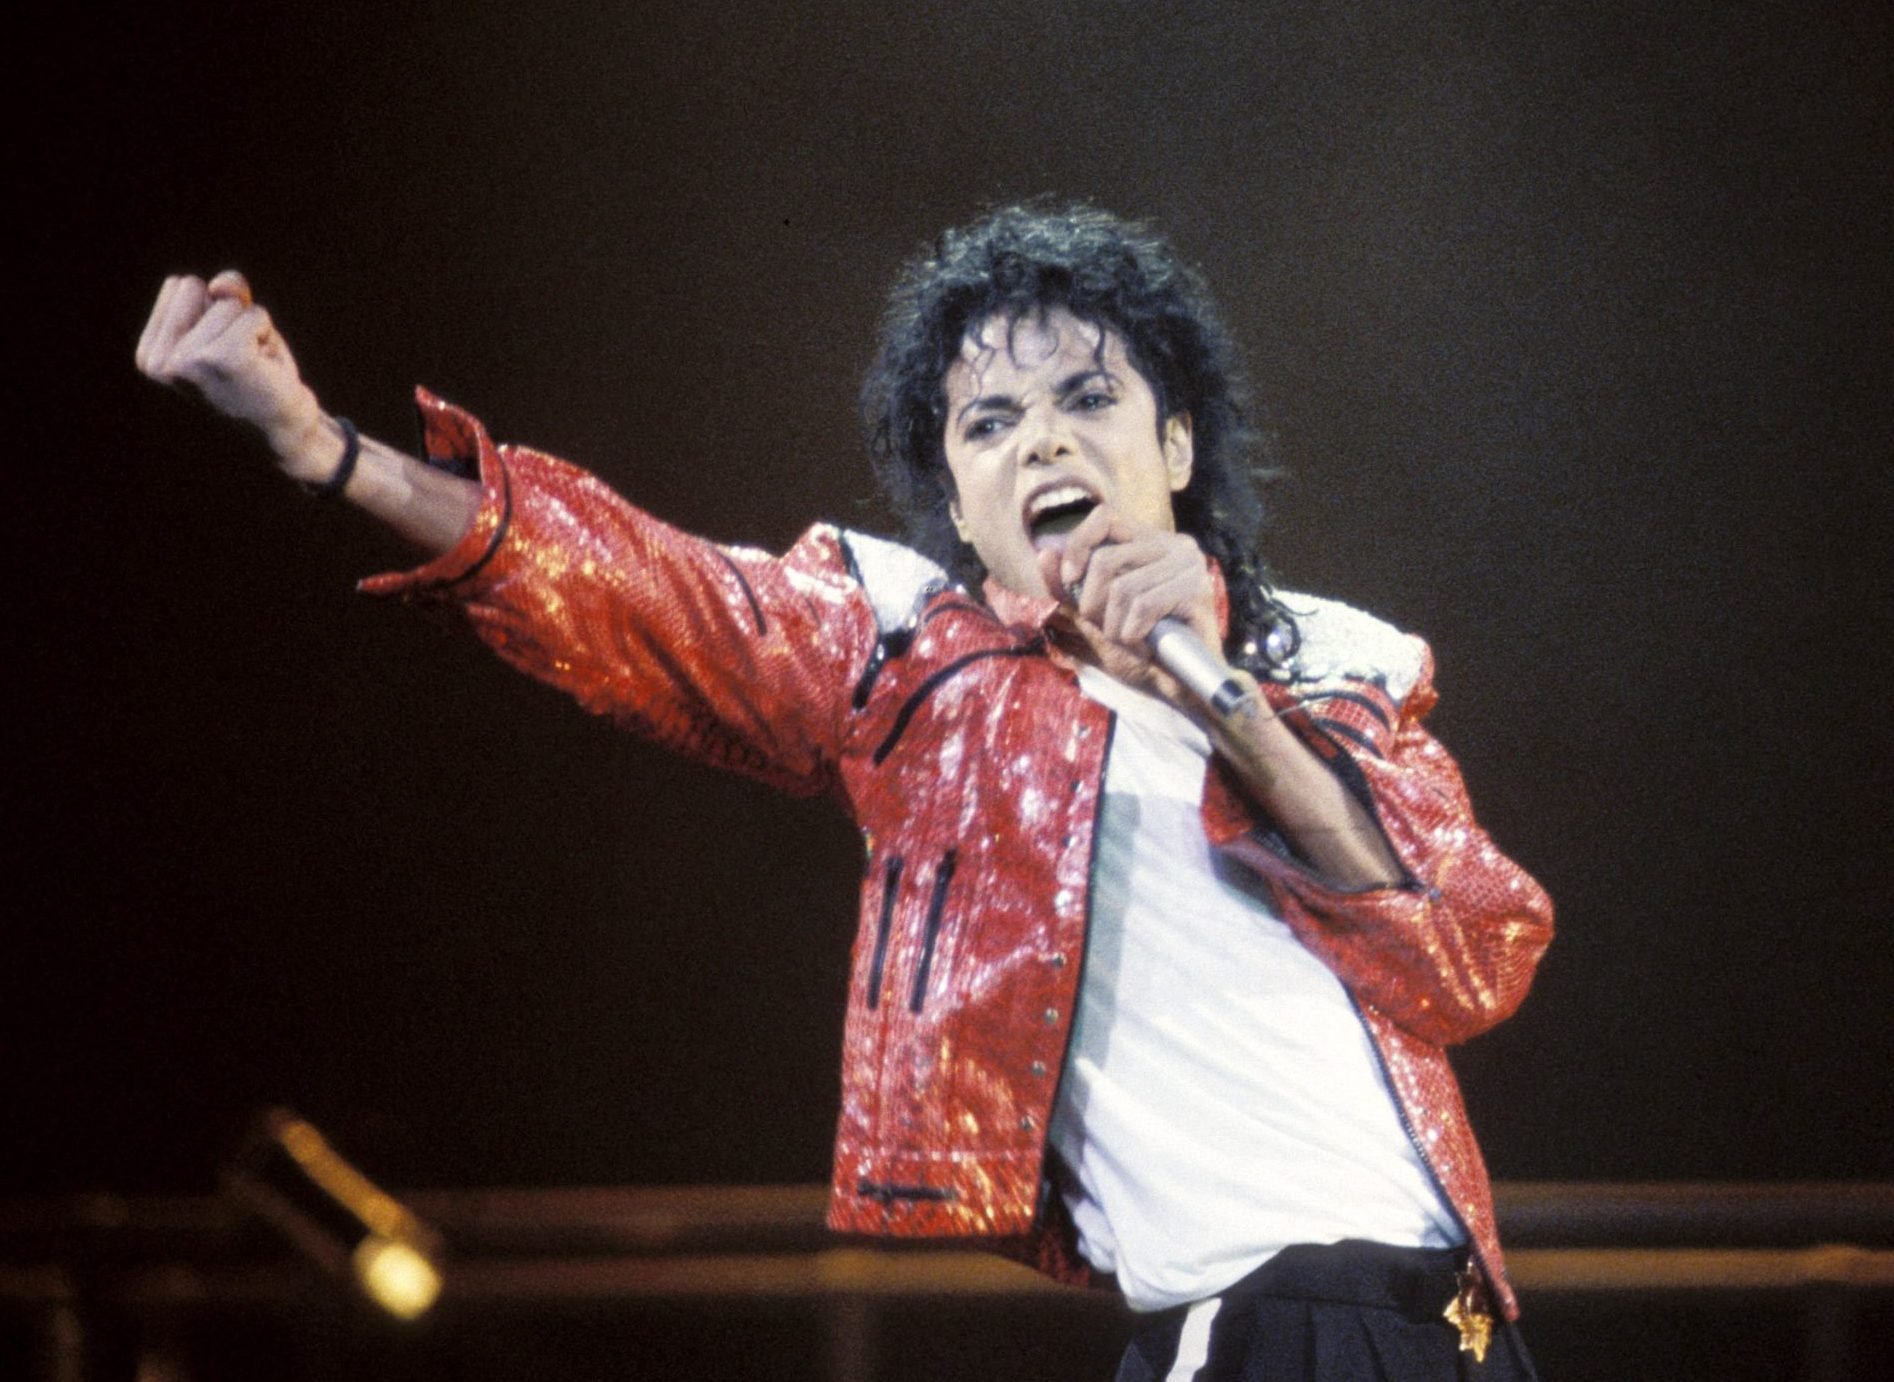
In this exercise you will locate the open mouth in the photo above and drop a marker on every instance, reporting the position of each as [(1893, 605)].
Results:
[(1051, 515)]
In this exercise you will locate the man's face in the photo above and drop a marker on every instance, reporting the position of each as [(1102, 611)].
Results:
[(1047, 418)]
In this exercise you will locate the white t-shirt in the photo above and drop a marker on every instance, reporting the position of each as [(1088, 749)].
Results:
[(1222, 1098)]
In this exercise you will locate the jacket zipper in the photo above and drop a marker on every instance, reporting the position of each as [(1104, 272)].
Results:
[(1474, 1250), (743, 584), (890, 891), (935, 906), (887, 1192)]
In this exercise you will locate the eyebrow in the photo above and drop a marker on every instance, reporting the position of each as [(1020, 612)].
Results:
[(1002, 402)]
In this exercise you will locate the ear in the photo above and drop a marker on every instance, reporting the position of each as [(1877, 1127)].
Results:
[(1178, 450)]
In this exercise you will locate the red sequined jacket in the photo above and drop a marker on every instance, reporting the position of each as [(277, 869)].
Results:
[(955, 736)]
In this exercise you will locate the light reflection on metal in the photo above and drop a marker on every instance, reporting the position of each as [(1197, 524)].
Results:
[(289, 1175)]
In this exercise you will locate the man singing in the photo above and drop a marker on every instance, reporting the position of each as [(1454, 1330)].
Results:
[(1155, 968)]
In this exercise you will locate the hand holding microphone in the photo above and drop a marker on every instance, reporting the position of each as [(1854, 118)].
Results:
[(1176, 648), (1162, 567)]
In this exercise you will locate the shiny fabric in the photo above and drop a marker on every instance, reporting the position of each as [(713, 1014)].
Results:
[(974, 766)]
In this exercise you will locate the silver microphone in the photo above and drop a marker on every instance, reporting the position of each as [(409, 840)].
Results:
[(1187, 657)]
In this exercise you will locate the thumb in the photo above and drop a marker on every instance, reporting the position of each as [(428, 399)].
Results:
[(230, 284), (1049, 572)]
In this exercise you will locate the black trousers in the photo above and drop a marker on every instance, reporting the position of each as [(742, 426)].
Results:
[(1341, 1312)]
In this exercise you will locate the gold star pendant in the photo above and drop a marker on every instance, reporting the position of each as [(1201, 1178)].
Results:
[(1466, 1314)]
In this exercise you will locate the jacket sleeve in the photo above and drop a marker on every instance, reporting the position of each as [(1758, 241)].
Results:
[(728, 655), (1450, 950)]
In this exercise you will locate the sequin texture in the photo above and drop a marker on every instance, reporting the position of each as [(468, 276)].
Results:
[(975, 768)]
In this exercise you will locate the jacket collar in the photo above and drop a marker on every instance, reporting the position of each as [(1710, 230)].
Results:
[(1027, 612)]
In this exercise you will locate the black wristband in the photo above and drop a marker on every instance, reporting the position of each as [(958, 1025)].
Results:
[(351, 451)]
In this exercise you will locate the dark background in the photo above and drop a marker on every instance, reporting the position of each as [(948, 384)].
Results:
[(1574, 323)]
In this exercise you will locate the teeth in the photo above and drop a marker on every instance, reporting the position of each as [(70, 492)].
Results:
[(1053, 498)]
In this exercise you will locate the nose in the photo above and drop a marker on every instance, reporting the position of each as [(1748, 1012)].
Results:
[(1043, 438)]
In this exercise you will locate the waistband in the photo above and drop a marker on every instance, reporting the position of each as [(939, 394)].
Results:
[(1417, 1282)]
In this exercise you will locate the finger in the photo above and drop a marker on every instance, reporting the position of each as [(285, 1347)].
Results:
[(1134, 611), (182, 312), (1145, 579), (1119, 573), (1050, 573), (246, 334), (1075, 555), (236, 321), (147, 339), (1104, 526), (195, 354), (231, 284), (1107, 566)]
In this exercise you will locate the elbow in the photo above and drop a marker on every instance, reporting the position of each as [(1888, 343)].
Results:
[(1494, 982)]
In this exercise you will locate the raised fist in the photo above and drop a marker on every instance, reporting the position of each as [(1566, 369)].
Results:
[(213, 337)]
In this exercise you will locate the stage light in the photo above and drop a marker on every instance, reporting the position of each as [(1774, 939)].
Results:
[(289, 1175), (396, 1275)]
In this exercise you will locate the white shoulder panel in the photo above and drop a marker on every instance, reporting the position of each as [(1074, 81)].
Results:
[(1341, 642), (895, 577)]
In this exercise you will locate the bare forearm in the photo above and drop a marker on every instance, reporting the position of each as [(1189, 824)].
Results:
[(215, 339), (1319, 817), (421, 503)]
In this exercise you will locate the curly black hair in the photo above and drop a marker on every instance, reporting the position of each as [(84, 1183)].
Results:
[(1115, 274)]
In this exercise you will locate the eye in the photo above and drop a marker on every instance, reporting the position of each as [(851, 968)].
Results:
[(1092, 401), (983, 427)]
